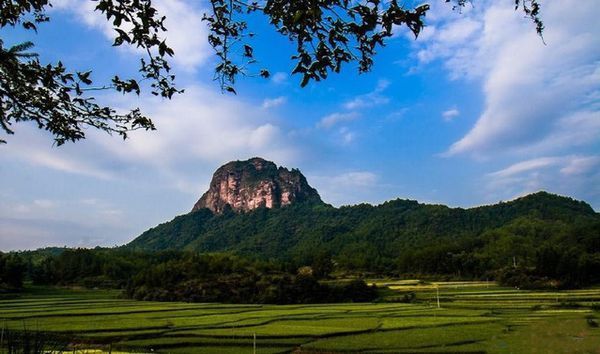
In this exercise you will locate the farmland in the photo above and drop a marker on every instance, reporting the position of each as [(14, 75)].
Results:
[(472, 317)]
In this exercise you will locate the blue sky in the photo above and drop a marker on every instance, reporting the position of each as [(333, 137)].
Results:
[(475, 111)]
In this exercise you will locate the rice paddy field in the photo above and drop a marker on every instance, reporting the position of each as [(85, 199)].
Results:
[(472, 317)]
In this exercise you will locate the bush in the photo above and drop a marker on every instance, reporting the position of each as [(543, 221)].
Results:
[(12, 271), (525, 278)]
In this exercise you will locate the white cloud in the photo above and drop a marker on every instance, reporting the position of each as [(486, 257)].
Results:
[(541, 112), (347, 136), (458, 31), (204, 125), (54, 209), (332, 119), (345, 188), (526, 166), (355, 179), (45, 203), (579, 129), (450, 40), (371, 99), (450, 114), (263, 135), (31, 145), (581, 165), (572, 175), (426, 33), (48, 222), (84, 12), (195, 132), (33, 233), (186, 33), (274, 102), (279, 78), (534, 93)]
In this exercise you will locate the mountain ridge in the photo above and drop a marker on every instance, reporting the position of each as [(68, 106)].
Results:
[(391, 235), (303, 229)]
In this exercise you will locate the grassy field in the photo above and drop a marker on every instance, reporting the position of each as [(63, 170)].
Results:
[(472, 317)]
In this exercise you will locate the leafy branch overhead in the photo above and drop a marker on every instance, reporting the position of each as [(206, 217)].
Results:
[(327, 33), (54, 99), (59, 101)]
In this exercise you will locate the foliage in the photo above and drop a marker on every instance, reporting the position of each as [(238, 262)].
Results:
[(326, 33), (558, 237), (179, 276), (12, 272), (279, 255), (58, 100), (244, 287)]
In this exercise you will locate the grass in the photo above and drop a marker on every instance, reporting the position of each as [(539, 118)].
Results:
[(474, 317)]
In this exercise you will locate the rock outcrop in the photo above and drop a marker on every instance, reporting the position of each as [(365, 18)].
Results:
[(255, 183)]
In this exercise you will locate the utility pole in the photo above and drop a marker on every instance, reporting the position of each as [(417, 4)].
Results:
[(254, 344), (437, 288)]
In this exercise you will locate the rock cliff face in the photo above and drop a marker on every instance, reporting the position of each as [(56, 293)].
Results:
[(247, 185)]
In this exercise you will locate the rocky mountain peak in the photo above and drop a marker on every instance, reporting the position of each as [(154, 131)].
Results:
[(255, 183)]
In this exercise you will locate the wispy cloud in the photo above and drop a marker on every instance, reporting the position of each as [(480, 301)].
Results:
[(450, 114), (332, 119), (346, 187), (199, 128), (279, 78), (45, 203), (356, 179), (273, 102), (33, 233), (371, 99), (526, 166), (210, 126), (182, 19), (528, 100), (47, 222), (581, 165), (351, 112), (35, 148), (541, 112), (572, 175), (347, 135)]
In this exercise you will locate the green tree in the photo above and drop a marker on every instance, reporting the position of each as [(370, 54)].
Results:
[(60, 101), (327, 34), (12, 271)]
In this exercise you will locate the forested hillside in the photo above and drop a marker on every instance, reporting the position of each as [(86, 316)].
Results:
[(277, 255), (555, 234)]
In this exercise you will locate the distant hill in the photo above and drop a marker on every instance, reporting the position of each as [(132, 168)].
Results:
[(401, 234)]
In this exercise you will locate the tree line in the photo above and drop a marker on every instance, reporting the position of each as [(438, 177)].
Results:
[(546, 236), (179, 276), (282, 256)]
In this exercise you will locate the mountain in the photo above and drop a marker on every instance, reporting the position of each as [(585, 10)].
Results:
[(398, 234), (255, 183)]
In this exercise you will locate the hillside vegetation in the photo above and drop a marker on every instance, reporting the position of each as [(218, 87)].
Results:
[(288, 255), (534, 239)]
